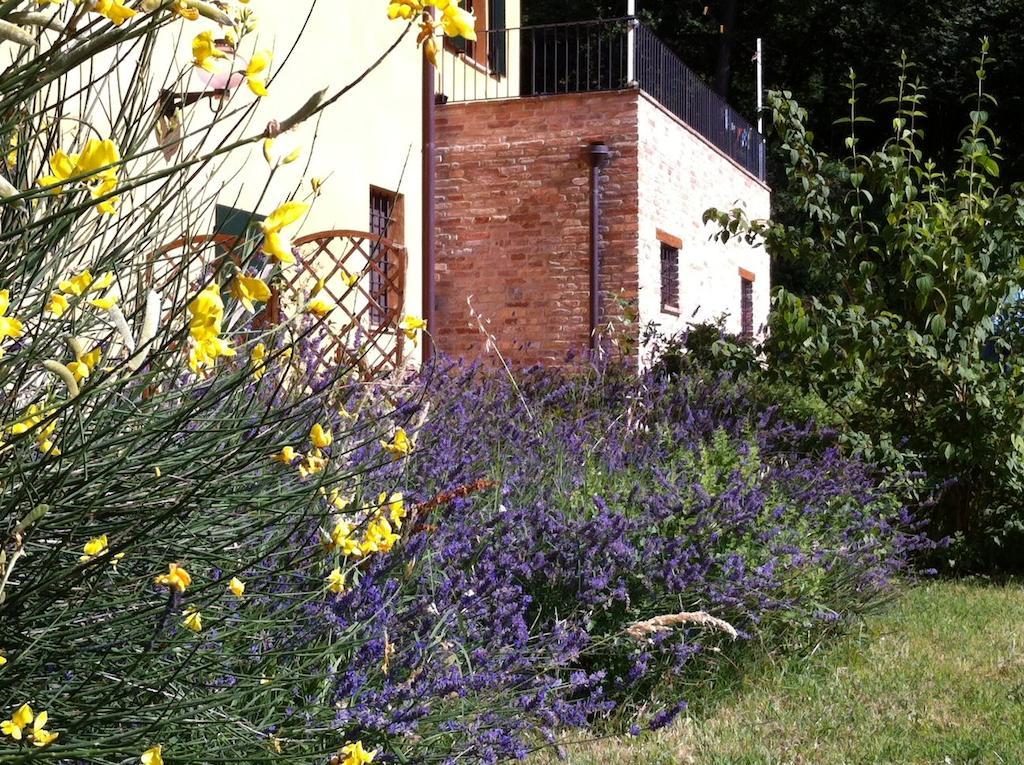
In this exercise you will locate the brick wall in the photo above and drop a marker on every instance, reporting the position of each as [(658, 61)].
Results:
[(513, 211)]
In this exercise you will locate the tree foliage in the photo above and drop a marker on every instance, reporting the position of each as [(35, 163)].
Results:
[(810, 45), (910, 337)]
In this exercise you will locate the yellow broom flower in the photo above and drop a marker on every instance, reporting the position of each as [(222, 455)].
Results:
[(275, 243), (321, 438), (249, 289), (176, 578), (399, 446), (193, 619)]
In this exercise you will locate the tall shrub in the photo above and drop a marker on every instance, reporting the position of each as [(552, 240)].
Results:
[(909, 339), (169, 469)]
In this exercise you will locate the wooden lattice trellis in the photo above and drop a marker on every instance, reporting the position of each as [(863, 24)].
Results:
[(363, 327), (370, 309)]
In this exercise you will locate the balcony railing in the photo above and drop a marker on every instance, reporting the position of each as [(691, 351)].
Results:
[(593, 56)]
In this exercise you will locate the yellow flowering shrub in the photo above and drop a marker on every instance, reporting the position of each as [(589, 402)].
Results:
[(162, 484)]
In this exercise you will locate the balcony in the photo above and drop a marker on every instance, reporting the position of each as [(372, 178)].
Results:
[(595, 56)]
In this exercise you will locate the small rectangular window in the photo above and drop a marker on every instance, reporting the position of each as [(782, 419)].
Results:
[(669, 279), (244, 225), (240, 225), (386, 223), (746, 308)]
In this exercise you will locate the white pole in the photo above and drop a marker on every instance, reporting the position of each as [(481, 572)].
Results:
[(631, 43), (760, 88)]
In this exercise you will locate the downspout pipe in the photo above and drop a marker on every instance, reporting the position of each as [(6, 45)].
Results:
[(428, 244), (599, 157)]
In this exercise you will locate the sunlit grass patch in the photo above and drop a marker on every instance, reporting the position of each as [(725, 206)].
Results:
[(936, 678)]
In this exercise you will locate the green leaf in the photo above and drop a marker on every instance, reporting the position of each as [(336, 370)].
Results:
[(988, 164)]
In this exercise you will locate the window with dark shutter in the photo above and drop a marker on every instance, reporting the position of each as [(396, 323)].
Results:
[(461, 43), (385, 222), (497, 49), (241, 224), (746, 308), (235, 222), (669, 279)]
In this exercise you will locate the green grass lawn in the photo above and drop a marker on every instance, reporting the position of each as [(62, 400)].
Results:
[(938, 677)]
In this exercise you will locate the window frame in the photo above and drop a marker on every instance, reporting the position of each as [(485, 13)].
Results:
[(478, 53), (474, 50), (674, 245), (393, 230), (236, 221), (747, 279)]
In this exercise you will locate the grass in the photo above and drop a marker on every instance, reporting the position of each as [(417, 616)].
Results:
[(938, 677)]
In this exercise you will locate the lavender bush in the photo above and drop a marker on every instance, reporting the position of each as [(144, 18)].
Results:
[(581, 541)]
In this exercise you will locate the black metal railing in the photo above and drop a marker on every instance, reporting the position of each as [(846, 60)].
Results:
[(666, 78), (590, 56), (574, 58)]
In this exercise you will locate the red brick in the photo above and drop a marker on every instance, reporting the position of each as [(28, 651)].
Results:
[(515, 234)]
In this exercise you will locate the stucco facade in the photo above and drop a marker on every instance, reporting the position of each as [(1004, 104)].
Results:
[(371, 138)]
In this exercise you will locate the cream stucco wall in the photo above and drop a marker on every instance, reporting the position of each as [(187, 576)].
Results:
[(680, 176), (371, 137)]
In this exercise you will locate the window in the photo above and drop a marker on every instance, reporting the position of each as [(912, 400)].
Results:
[(469, 47), (242, 225), (385, 223), (490, 49), (235, 222), (746, 304), (669, 279), (670, 247)]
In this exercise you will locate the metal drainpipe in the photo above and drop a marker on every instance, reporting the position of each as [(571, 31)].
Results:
[(428, 244), (599, 157)]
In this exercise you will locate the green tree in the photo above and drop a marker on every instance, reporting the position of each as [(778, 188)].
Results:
[(912, 339)]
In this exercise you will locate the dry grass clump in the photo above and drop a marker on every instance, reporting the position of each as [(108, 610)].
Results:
[(667, 622)]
